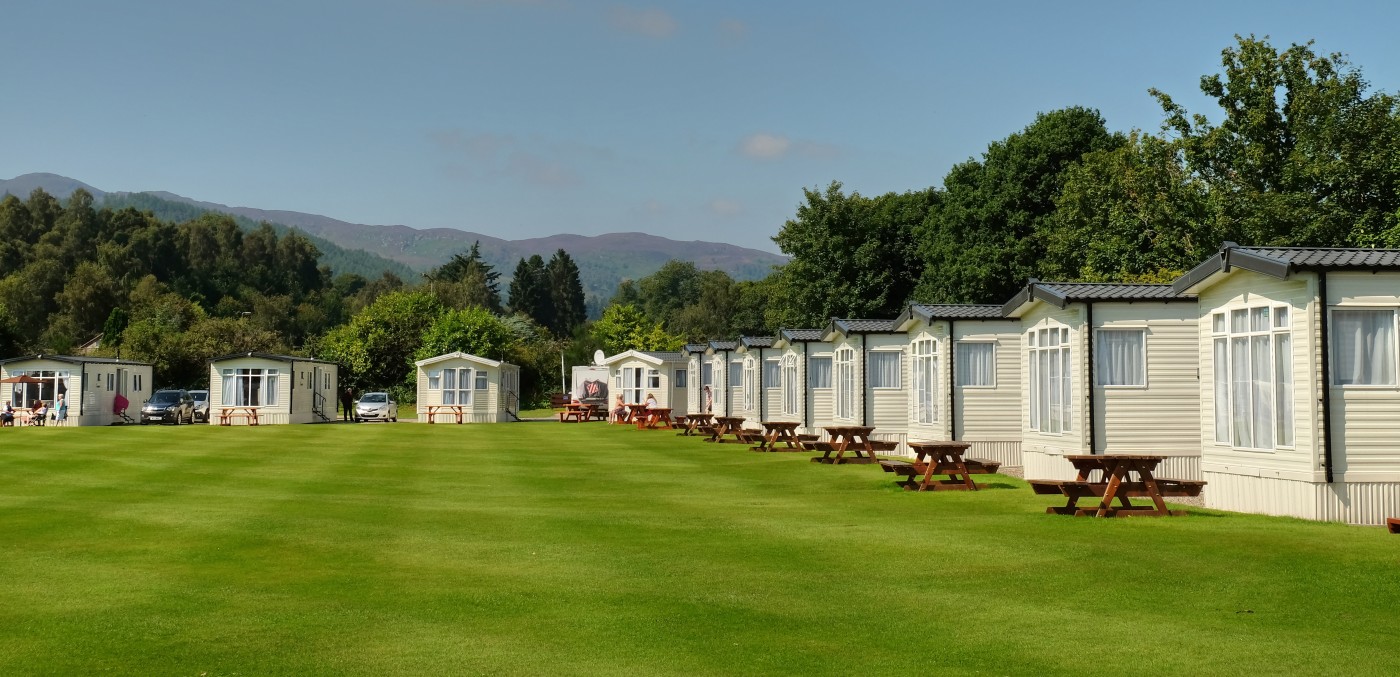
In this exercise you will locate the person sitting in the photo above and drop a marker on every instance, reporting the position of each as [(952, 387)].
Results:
[(651, 401), (7, 416), (619, 412), (37, 413)]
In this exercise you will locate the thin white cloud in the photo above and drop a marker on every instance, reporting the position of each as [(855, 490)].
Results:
[(765, 146), (650, 22)]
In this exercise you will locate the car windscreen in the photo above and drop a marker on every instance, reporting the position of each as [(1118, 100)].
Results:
[(165, 398), (199, 397), (375, 398)]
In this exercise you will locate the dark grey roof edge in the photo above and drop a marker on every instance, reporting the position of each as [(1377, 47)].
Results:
[(1278, 262), (76, 359), (269, 356), (931, 312), (664, 355), (756, 341), (724, 345), (800, 334)]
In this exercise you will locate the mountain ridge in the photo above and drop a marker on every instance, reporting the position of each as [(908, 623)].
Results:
[(604, 260)]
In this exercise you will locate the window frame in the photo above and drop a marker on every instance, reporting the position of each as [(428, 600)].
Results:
[(1223, 333), (776, 382), (1058, 360), (1332, 343), (1142, 331), (829, 360), (791, 380), (884, 353), (960, 372), (923, 372), (843, 383)]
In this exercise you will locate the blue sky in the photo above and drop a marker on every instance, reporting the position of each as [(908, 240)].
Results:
[(523, 118)]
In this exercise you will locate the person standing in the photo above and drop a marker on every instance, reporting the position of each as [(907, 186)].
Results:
[(60, 411), (347, 405)]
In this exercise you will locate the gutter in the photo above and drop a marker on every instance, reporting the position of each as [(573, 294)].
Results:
[(1089, 321), (806, 385), (762, 391), (1326, 380), (728, 387), (952, 386), (864, 367)]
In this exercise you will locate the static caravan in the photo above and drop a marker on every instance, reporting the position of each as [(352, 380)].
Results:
[(698, 376), (90, 385), (974, 395), (488, 390), (1109, 369), (1299, 393), (727, 371), (761, 384), (869, 376), (281, 388), (806, 375), (636, 373)]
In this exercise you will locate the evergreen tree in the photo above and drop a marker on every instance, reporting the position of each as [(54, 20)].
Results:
[(566, 292), (469, 280), (529, 291)]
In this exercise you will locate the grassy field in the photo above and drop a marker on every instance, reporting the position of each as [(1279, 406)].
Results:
[(589, 549)]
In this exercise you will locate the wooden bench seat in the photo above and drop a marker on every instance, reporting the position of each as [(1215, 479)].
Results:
[(899, 467), (1393, 524), (1081, 489)]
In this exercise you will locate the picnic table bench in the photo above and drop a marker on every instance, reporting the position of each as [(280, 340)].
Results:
[(631, 412), (455, 409), (852, 438), (698, 423), (725, 425), (1393, 524), (654, 418), (248, 414), (576, 412), (781, 432), (1117, 477), (939, 458)]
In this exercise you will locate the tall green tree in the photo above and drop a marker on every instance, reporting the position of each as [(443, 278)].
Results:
[(467, 280), (625, 327), (378, 344), (1303, 155), (987, 233), (470, 330), (529, 290), (852, 256), (566, 292)]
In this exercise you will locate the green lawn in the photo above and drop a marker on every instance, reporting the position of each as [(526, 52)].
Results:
[(541, 548)]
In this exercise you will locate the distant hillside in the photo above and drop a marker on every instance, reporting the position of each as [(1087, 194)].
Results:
[(603, 260)]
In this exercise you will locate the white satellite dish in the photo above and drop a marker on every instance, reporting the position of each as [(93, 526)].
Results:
[(598, 357)]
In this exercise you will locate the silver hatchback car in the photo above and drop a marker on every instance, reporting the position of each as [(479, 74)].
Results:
[(376, 407)]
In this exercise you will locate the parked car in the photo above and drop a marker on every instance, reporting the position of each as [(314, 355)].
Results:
[(168, 406), (376, 407), (201, 405)]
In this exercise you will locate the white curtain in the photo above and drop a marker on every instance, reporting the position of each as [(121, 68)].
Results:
[(884, 369), (1120, 357), (270, 388), (1261, 379), (1364, 352), (976, 364), (772, 374), (1222, 391), (1240, 390), (821, 372), (1283, 389), (230, 389)]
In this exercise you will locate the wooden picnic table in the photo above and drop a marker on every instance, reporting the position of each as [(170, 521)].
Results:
[(654, 418), (633, 411), (844, 438), (455, 409), (939, 458), (227, 414), (726, 425), (1120, 477), (779, 432), (697, 423), (575, 412)]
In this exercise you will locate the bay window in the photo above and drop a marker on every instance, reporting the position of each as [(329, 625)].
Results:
[(1252, 358), (1051, 410), (924, 372), (844, 376), (456, 386), (251, 387), (792, 388)]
